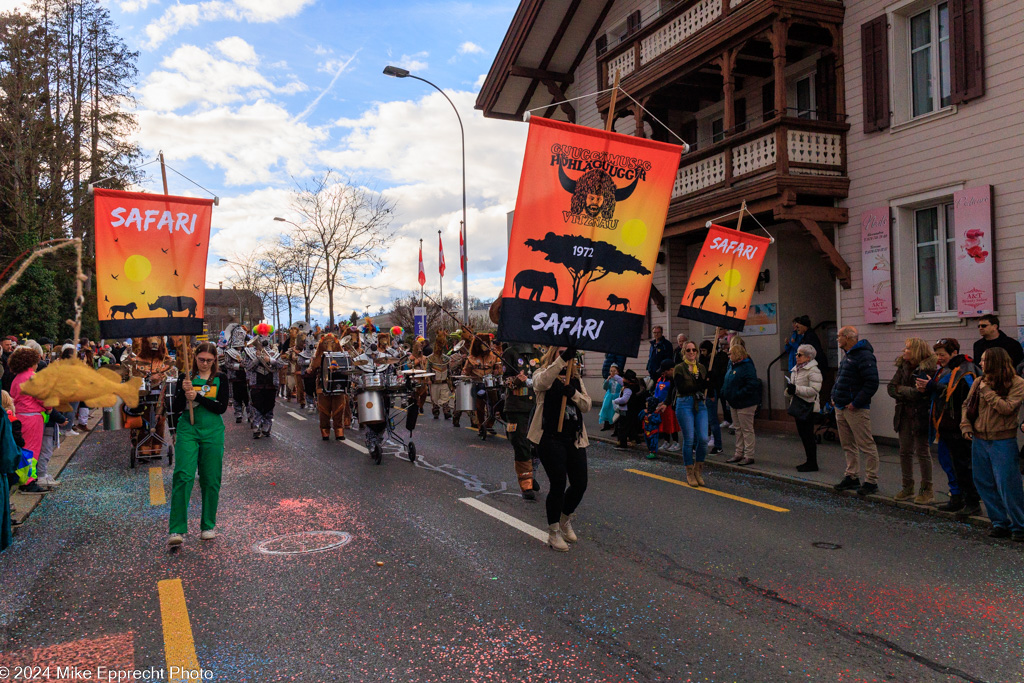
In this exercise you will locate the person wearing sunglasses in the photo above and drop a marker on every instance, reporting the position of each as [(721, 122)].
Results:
[(993, 337), (200, 443), (691, 384)]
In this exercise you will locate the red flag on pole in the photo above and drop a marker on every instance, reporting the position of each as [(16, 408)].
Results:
[(423, 276), (440, 258), (462, 252)]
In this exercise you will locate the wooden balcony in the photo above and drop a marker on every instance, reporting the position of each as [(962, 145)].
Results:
[(779, 166), (693, 32)]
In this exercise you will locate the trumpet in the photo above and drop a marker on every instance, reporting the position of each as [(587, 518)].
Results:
[(455, 349)]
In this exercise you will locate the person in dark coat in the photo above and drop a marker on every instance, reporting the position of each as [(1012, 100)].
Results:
[(660, 351), (993, 337), (742, 389), (910, 420), (856, 382), (803, 334), (948, 390)]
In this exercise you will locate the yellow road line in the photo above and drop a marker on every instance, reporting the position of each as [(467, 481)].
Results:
[(157, 495), (179, 648), (713, 492), (477, 431)]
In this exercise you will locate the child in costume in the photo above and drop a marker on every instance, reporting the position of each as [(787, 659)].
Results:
[(650, 422), (664, 391)]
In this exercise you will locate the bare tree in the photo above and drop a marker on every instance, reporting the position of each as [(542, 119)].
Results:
[(351, 225), (248, 274), (403, 313), (280, 269), (305, 260)]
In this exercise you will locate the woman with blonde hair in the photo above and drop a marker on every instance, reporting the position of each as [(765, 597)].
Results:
[(911, 417)]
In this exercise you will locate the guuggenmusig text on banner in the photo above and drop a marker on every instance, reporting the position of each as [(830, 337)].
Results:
[(585, 237), (150, 263)]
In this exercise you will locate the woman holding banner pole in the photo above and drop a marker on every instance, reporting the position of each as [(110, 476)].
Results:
[(561, 440)]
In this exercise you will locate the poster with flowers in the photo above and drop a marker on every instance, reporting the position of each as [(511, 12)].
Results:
[(975, 284)]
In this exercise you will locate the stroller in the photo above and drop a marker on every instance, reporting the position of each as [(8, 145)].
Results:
[(826, 428)]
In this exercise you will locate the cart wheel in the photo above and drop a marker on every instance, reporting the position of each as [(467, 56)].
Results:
[(377, 455), (412, 452), (817, 438)]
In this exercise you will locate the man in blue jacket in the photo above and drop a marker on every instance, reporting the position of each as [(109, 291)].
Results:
[(856, 383), (661, 350)]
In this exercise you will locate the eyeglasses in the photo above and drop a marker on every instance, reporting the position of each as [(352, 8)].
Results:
[(941, 341), (983, 325), (205, 360), (691, 350), (800, 354)]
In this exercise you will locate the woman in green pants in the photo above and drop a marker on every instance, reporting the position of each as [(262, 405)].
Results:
[(200, 443)]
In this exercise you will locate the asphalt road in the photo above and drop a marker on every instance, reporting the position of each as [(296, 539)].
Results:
[(667, 583)]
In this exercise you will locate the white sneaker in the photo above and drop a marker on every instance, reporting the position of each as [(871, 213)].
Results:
[(175, 539), (208, 535), (725, 424), (674, 446), (711, 443), (48, 480)]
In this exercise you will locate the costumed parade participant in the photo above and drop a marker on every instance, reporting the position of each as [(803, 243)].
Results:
[(331, 387), (235, 369), (421, 387), (440, 384), (200, 407), (306, 383), (521, 360), (150, 361), (481, 363), (261, 370)]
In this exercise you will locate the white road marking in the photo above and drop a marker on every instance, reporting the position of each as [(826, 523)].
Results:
[(508, 519), (297, 416), (352, 444)]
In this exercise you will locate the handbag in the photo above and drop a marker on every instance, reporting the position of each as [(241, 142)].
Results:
[(971, 408), (800, 409)]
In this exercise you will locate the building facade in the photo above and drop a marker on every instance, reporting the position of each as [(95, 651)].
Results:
[(226, 306), (820, 115)]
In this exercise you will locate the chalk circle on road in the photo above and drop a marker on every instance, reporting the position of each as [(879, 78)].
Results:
[(303, 542)]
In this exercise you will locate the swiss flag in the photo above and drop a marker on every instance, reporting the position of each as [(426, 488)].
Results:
[(440, 258), (423, 276), (462, 252)]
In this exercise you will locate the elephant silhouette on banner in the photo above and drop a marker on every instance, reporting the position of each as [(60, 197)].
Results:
[(535, 281)]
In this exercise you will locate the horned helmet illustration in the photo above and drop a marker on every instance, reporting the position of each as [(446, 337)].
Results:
[(595, 193)]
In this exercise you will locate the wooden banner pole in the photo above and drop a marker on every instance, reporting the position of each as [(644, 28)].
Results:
[(610, 123), (163, 172)]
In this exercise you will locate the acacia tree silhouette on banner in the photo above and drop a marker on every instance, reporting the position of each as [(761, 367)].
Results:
[(586, 260)]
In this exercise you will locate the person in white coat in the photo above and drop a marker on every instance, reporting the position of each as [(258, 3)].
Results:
[(804, 382)]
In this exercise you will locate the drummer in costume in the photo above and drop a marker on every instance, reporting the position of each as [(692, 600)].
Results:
[(261, 370), (235, 369), (457, 368), (418, 362), (480, 363), (440, 387), (149, 360), (521, 360), (331, 399), (306, 382), (200, 443)]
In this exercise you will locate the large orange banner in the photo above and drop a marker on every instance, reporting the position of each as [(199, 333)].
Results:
[(150, 263), (585, 236), (723, 278)]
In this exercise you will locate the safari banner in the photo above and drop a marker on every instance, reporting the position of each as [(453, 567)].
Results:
[(585, 235), (722, 281), (150, 263)]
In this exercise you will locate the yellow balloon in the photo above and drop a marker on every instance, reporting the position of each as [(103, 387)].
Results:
[(731, 278), (137, 268), (634, 232)]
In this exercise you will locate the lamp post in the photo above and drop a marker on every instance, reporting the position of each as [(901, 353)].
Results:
[(398, 72)]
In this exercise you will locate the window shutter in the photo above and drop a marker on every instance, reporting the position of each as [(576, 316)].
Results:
[(601, 44), (633, 22), (874, 40), (768, 101), (825, 88), (740, 113), (968, 63)]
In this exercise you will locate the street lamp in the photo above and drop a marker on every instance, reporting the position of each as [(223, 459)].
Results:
[(398, 72)]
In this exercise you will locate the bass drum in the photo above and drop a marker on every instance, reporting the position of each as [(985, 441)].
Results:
[(464, 400), (370, 407)]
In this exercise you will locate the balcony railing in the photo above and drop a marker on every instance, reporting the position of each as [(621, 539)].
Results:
[(786, 146)]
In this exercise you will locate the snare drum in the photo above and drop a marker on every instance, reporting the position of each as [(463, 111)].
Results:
[(394, 382), (374, 382), (492, 382), (370, 407)]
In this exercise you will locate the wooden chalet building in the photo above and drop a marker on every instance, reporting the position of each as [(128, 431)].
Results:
[(815, 112)]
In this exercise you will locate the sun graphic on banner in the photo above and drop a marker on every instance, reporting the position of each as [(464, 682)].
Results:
[(634, 232), (731, 278), (137, 268)]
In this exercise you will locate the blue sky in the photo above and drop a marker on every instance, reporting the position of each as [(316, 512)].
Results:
[(249, 96)]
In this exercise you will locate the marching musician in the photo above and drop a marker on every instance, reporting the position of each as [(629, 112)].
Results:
[(419, 362), (150, 361), (521, 360), (457, 368), (440, 386), (306, 382), (331, 397), (235, 370), (261, 370), (480, 363)]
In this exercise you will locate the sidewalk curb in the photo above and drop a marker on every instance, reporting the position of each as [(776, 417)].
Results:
[(26, 503), (982, 522)]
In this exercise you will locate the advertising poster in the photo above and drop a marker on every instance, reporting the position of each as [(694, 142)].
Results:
[(972, 216), (585, 237), (762, 319), (723, 278), (876, 265), (150, 263)]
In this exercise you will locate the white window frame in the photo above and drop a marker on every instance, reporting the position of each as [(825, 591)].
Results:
[(812, 111), (943, 235), (901, 88), (904, 259)]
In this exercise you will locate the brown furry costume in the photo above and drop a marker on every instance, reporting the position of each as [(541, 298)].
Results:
[(440, 384), (154, 366), (332, 407), (481, 362)]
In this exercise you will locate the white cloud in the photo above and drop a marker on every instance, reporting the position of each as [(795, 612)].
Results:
[(237, 50), (415, 62), (132, 6), (194, 76), (479, 83), (12, 5), (256, 143), (470, 48), (178, 16)]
